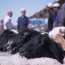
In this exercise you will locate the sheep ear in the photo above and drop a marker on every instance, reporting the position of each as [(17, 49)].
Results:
[(61, 41), (60, 31), (64, 33), (58, 38)]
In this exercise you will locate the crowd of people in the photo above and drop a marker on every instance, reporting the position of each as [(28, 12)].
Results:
[(31, 44), (55, 19), (23, 21), (55, 15)]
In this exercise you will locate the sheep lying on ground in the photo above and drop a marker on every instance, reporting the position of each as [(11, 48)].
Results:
[(18, 60), (55, 31), (7, 32), (7, 35), (57, 34), (20, 39), (42, 46), (11, 41), (4, 39), (37, 49)]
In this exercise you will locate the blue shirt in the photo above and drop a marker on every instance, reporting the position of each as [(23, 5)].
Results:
[(58, 19), (23, 22), (51, 19)]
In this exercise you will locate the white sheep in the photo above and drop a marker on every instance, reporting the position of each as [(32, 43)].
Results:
[(15, 31), (18, 60), (55, 31)]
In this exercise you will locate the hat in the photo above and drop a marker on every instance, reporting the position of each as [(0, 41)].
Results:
[(23, 9), (9, 11), (50, 5), (56, 5)]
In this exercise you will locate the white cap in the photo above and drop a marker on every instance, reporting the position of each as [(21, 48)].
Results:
[(9, 11), (56, 5), (23, 9), (50, 5)]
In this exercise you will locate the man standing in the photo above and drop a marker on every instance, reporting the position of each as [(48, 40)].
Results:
[(1, 27), (52, 16), (23, 21), (62, 23), (56, 8), (7, 21)]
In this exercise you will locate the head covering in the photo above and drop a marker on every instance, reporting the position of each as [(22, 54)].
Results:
[(56, 5), (23, 9), (9, 11), (50, 5)]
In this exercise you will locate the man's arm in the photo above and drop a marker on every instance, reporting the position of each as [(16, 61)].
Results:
[(28, 24), (53, 25), (18, 24), (54, 18)]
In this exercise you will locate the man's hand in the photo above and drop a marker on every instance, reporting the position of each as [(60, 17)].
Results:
[(29, 26), (53, 25)]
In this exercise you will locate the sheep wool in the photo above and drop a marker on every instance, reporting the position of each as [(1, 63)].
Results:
[(18, 60), (55, 31)]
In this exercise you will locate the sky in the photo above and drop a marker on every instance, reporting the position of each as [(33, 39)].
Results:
[(31, 7)]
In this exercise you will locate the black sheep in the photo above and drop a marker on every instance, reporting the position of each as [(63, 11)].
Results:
[(17, 41), (7, 32), (3, 43), (7, 35), (42, 46)]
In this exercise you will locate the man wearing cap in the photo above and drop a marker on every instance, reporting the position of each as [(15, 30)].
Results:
[(56, 8), (52, 16), (7, 21), (23, 21)]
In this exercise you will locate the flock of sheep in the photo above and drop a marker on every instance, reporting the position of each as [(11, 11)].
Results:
[(12, 54)]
